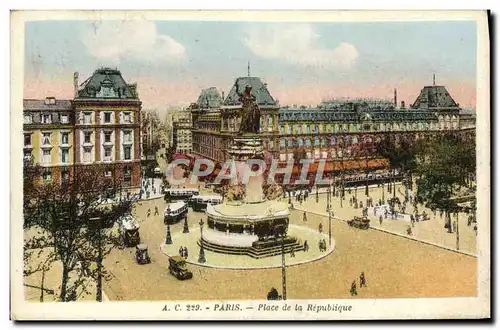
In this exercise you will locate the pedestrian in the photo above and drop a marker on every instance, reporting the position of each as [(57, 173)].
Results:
[(181, 251), (354, 292), (455, 226), (380, 220), (185, 252), (292, 252), (306, 246), (362, 280), (156, 210), (149, 212), (320, 228), (304, 218)]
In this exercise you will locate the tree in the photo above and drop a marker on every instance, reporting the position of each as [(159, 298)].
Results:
[(62, 222), (442, 169)]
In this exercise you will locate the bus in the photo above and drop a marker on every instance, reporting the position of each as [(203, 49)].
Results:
[(199, 203), (181, 193), (175, 212)]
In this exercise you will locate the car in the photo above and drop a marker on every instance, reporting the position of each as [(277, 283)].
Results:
[(359, 222), (177, 267), (141, 254)]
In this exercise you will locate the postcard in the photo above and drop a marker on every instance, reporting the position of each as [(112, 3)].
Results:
[(250, 165)]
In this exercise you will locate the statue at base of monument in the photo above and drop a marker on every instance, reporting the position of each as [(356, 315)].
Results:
[(250, 113)]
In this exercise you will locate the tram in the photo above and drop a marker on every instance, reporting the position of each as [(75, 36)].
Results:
[(199, 203), (175, 212), (181, 193)]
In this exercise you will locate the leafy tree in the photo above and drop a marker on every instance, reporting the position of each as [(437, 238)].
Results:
[(62, 222), (442, 170)]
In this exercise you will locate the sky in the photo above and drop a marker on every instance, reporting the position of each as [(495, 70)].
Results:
[(302, 63)]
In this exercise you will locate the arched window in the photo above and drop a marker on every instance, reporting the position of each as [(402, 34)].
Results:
[(354, 139), (323, 142), (333, 140), (290, 143), (316, 141), (308, 129), (308, 142), (300, 142), (316, 129)]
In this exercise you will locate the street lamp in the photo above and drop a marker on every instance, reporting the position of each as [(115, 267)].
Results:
[(168, 239), (186, 228), (329, 216), (201, 258)]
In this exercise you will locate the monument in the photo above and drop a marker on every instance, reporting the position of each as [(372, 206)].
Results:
[(248, 222)]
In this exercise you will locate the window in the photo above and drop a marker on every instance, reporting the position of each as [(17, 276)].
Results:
[(323, 142), (64, 119), (64, 155), (282, 129), (127, 137), (300, 142), (87, 118), (299, 129), (127, 175), (308, 129), (289, 129), (290, 143), (316, 142), (308, 142), (107, 172), (65, 175), (46, 157), (46, 119), (282, 143), (87, 155), (47, 175), (87, 137), (27, 155), (27, 119), (127, 153), (127, 117), (107, 154), (64, 138), (46, 138), (316, 129), (334, 141), (27, 140), (107, 117), (107, 137)]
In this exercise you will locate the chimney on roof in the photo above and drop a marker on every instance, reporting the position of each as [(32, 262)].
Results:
[(433, 79), (75, 83), (249, 68), (395, 97), (402, 104)]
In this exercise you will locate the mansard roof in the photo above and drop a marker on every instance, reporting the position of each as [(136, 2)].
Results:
[(106, 83), (43, 105), (434, 97), (263, 97), (209, 98)]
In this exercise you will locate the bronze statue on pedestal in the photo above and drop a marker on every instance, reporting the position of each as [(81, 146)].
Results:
[(250, 113)]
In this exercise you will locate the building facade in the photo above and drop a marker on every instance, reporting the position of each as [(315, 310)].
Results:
[(181, 132), (107, 126), (48, 137), (343, 132), (99, 127)]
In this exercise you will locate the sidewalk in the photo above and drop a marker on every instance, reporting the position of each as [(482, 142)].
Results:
[(430, 232)]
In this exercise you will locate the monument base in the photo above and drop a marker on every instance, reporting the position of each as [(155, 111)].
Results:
[(258, 249)]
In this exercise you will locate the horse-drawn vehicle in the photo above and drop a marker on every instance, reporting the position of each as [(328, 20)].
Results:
[(359, 222), (177, 267)]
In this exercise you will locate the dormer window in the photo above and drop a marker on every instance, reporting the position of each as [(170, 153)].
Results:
[(28, 119), (46, 119), (64, 119)]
